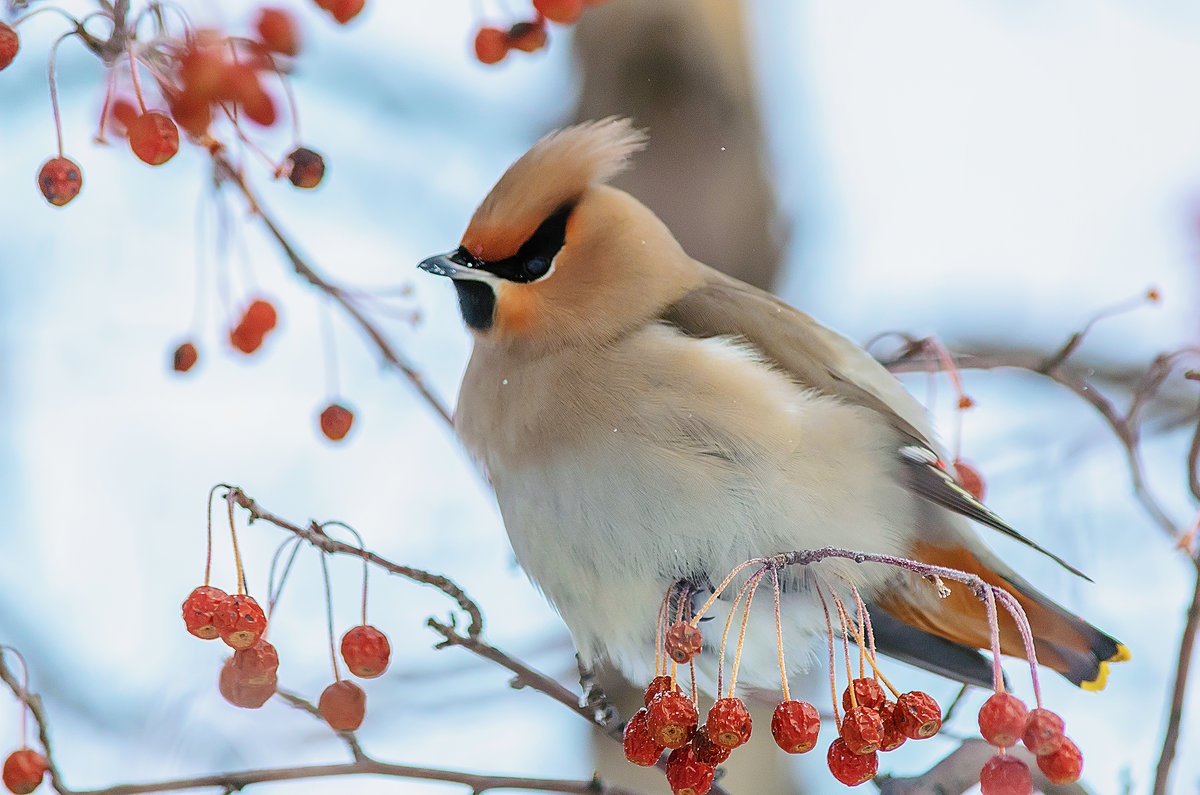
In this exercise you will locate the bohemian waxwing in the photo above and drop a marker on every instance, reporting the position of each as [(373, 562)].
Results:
[(646, 420)]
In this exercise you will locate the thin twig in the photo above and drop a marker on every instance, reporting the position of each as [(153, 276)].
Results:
[(1178, 691), (226, 170)]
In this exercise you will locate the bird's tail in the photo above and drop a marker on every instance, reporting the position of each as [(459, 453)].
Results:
[(1063, 641)]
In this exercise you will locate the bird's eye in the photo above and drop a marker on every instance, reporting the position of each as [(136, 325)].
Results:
[(537, 267)]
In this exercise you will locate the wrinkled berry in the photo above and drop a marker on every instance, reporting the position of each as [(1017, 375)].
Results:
[(240, 621), (199, 610), (848, 767), (23, 771), (686, 774), (862, 730), (683, 642), (343, 705), (867, 692), (795, 726), (918, 715), (1043, 732), (1064, 764), (672, 719), (1004, 774), (1002, 719), (640, 747), (366, 651)]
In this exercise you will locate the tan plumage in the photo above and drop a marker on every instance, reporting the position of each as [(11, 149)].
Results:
[(645, 419)]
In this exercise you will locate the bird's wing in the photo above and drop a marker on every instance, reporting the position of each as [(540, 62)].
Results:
[(814, 356), (820, 359)]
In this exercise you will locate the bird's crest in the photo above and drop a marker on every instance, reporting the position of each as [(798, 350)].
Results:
[(555, 172)]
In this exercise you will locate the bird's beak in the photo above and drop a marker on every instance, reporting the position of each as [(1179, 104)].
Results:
[(457, 264)]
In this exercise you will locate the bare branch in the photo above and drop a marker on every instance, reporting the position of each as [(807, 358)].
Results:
[(959, 772), (1178, 691), (226, 171), (314, 535)]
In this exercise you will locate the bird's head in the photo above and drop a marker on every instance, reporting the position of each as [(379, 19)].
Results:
[(553, 256)]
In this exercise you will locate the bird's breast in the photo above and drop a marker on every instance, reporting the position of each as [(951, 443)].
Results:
[(663, 457)]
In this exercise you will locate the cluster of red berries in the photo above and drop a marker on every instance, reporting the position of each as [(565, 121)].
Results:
[(249, 677), (24, 768), (492, 44), (670, 720), (1003, 720), (205, 75)]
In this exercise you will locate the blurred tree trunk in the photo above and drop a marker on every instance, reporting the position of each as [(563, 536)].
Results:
[(680, 68)]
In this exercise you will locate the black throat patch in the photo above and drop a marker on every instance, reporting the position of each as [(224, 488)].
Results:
[(477, 302)]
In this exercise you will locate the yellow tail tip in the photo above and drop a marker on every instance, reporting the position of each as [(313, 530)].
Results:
[(1100, 680), (1122, 654)]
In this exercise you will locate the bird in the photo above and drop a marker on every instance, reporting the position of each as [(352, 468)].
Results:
[(646, 421)]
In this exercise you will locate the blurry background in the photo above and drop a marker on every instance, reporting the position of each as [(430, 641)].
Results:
[(990, 172)]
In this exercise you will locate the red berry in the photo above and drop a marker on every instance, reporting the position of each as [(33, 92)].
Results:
[(526, 36), (672, 719), (563, 12), (1004, 774), (260, 316), (245, 340), (683, 642), (277, 30), (343, 705), (366, 651), (336, 421), (848, 767), (258, 664), (659, 684), (23, 771), (235, 686), (640, 747), (686, 774), (862, 730), (185, 358), (867, 692), (729, 722), (491, 45), (245, 87), (917, 715), (10, 42), (969, 478), (707, 750), (1043, 732), (60, 180), (795, 726), (1063, 765), (154, 138), (305, 168), (240, 621), (1002, 719), (200, 608), (345, 10), (893, 738)]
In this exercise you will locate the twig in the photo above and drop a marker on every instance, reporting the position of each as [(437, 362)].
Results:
[(1178, 691), (231, 782), (317, 537), (34, 703), (959, 772), (226, 171)]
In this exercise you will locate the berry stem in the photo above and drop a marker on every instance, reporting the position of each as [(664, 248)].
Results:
[(24, 694), (660, 631), (237, 554), (779, 633), (133, 75), (54, 90), (837, 720), (329, 615), (724, 583), (951, 371), (208, 554), (1014, 608), (108, 94), (737, 655), (725, 633), (866, 619), (858, 638), (841, 608), (362, 547), (274, 591), (994, 626)]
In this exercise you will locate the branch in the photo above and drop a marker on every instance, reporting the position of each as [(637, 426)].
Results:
[(231, 782), (314, 535), (959, 772), (1178, 691), (226, 171)]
